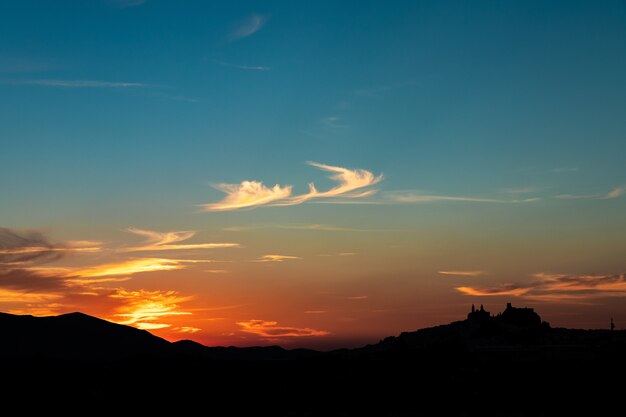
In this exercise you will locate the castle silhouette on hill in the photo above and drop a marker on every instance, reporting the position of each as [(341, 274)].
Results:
[(519, 316)]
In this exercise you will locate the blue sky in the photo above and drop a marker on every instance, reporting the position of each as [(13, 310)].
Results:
[(119, 113), (438, 95)]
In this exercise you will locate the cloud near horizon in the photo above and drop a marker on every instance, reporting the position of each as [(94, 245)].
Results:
[(270, 330), (26, 287), (250, 194), (558, 287), (145, 309)]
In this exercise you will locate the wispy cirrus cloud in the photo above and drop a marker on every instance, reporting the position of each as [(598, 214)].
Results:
[(358, 297), (243, 67), (462, 273), (277, 258), (250, 194), (614, 193), (251, 25), (349, 180), (558, 287), (77, 83), (166, 241), (270, 330), (416, 197)]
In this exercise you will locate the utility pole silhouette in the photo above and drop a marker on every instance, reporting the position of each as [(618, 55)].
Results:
[(612, 324)]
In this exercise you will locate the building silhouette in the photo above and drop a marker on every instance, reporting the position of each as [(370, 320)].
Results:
[(518, 316), (477, 315)]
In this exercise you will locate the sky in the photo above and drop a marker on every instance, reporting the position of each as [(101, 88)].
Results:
[(312, 174)]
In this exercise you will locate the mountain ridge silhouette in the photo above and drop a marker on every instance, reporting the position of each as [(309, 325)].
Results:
[(80, 336), (487, 365)]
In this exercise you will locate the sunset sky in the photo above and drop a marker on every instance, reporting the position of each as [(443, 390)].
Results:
[(319, 174)]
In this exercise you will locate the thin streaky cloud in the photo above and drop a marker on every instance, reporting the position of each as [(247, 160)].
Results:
[(135, 266), (315, 312), (415, 197), (129, 267), (462, 273), (78, 83), (578, 197), (614, 193), (42, 249), (248, 27), (276, 258), (493, 291), (243, 67), (358, 297), (162, 241), (271, 330)]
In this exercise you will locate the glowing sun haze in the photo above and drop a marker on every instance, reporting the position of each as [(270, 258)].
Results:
[(315, 174)]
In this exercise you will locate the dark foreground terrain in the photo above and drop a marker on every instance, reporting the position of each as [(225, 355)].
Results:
[(506, 365)]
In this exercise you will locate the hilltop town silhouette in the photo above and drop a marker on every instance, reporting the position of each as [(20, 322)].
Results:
[(510, 363)]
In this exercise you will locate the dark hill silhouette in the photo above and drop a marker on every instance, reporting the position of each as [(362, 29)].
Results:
[(509, 364), (194, 349), (513, 329), (80, 336), (75, 336)]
